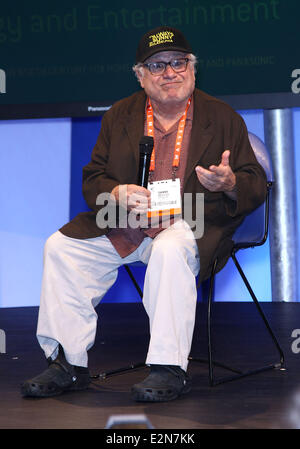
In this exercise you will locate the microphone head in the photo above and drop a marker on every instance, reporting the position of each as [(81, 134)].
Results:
[(146, 144)]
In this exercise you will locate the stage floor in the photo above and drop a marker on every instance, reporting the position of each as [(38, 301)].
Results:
[(269, 400)]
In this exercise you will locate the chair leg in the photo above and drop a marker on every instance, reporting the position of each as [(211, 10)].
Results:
[(211, 363), (139, 290), (209, 304), (106, 374), (245, 280), (133, 366)]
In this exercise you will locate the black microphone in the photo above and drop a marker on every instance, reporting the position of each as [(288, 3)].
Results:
[(146, 146)]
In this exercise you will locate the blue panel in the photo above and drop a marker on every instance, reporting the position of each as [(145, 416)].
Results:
[(123, 290)]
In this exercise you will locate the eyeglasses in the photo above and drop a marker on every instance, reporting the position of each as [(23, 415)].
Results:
[(158, 68)]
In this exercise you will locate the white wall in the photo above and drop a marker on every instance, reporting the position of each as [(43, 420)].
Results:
[(34, 201)]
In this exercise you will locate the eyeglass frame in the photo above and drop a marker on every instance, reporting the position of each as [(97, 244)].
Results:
[(187, 60)]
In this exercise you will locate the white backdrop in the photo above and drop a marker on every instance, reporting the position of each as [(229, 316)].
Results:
[(34, 201)]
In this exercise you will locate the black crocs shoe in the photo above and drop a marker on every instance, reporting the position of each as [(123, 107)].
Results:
[(164, 383), (60, 376)]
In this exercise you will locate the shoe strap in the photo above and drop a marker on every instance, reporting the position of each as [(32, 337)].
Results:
[(173, 369), (61, 362)]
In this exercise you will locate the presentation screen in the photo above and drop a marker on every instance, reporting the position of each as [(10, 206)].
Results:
[(75, 58)]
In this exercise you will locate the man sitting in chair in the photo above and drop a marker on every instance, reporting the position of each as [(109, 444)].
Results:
[(201, 146)]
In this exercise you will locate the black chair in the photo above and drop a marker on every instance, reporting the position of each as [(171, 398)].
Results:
[(251, 233)]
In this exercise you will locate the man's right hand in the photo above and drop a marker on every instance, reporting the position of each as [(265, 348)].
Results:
[(132, 197)]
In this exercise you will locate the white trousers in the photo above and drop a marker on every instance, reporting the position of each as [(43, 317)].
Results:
[(78, 273)]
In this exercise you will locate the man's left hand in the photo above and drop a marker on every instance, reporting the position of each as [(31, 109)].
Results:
[(218, 178)]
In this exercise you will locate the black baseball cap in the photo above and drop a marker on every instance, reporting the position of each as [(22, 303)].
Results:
[(163, 38)]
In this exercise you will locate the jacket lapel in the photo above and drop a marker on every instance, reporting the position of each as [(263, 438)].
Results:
[(134, 124), (201, 136)]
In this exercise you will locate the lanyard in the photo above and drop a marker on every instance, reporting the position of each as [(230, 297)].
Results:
[(179, 137)]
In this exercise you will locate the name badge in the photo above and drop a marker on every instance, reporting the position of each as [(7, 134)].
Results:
[(165, 198)]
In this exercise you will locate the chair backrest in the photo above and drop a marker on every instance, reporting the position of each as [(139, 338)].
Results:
[(254, 227), (262, 155)]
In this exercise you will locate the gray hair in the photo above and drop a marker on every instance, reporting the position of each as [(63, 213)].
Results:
[(139, 67)]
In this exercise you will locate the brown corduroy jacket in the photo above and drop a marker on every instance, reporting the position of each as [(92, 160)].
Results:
[(216, 128)]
